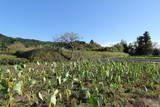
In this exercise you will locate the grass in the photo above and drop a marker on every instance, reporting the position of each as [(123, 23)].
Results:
[(50, 54), (74, 83), (88, 54), (6, 56), (7, 59)]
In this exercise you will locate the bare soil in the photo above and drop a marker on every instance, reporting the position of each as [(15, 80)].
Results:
[(146, 60), (140, 102)]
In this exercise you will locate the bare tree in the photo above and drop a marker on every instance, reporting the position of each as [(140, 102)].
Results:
[(69, 38)]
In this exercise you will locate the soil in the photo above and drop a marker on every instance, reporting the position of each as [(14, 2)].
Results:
[(141, 102), (149, 60)]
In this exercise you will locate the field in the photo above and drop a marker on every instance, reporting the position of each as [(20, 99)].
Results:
[(79, 53), (85, 83)]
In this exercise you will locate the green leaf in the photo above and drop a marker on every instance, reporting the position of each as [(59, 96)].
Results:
[(40, 96), (55, 92), (18, 87), (93, 101), (53, 99)]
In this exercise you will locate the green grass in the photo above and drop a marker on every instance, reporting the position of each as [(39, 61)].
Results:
[(6, 59), (50, 54), (6, 56), (83, 54), (103, 54), (73, 83)]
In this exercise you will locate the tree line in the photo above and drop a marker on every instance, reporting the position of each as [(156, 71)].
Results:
[(142, 46), (70, 40)]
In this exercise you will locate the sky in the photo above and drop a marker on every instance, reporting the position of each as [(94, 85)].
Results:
[(104, 21)]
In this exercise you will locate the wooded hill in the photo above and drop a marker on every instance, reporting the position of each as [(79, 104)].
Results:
[(5, 40)]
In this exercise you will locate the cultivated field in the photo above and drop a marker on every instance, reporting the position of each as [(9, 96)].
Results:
[(84, 83)]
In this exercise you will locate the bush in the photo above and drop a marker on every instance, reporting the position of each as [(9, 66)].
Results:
[(17, 46), (22, 54), (44, 54), (119, 47), (13, 61), (108, 49), (156, 52)]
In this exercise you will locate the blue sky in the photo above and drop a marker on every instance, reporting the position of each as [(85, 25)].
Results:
[(104, 21)]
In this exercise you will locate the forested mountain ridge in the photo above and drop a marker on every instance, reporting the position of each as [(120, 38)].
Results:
[(27, 42)]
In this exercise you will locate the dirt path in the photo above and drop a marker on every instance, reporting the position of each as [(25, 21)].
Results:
[(141, 102), (149, 60)]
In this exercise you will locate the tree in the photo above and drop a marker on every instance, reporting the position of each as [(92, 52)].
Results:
[(70, 38), (94, 45), (125, 46), (3, 46), (119, 47), (91, 42), (156, 52), (16, 46), (132, 48), (144, 44), (67, 37)]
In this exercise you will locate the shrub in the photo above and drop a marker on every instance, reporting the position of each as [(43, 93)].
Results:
[(156, 52), (109, 49), (13, 61), (119, 47), (17, 46), (44, 54)]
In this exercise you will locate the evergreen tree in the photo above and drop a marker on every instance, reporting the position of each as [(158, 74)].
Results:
[(91, 42), (144, 44)]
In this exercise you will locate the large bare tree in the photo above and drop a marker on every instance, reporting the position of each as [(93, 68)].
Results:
[(69, 38)]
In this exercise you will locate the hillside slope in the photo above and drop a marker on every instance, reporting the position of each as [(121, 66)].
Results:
[(27, 42)]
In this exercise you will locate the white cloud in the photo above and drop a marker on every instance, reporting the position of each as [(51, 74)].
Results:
[(109, 44), (156, 44)]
